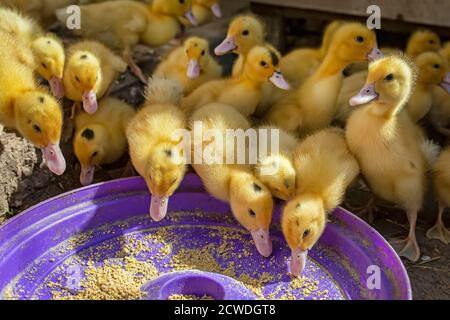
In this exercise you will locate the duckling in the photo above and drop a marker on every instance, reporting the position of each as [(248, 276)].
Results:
[(48, 50), (125, 23), (100, 138), (90, 70), (441, 183), (244, 91), (275, 168), (244, 33), (432, 71), (155, 153), (190, 64), (204, 10), (391, 149), (250, 200), (308, 109), (27, 108), (325, 168), (422, 41), (440, 113)]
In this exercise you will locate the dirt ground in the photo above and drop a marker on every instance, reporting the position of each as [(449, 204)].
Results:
[(24, 183)]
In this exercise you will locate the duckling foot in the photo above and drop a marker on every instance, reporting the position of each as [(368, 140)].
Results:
[(438, 231), (135, 69), (365, 211), (407, 248)]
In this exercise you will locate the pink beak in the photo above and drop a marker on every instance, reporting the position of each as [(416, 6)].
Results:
[(279, 81), (298, 262), (263, 242), (193, 69), (190, 16), (227, 45), (57, 87), (366, 95), (375, 54), (217, 11), (446, 83), (158, 207), (54, 159), (87, 175), (90, 102)]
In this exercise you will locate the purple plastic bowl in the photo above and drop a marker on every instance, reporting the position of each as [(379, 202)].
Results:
[(346, 260)]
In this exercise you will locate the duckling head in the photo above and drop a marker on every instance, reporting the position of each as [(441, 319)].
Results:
[(39, 119), (354, 42), (252, 204), (197, 52), (389, 82), (164, 172), (89, 144), (422, 41), (50, 57), (432, 69), (261, 65), (177, 8), (213, 5), (303, 222), (278, 174), (244, 33), (84, 73)]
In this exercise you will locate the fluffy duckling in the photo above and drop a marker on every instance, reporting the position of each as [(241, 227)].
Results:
[(440, 113), (432, 71), (250, 200), (48, 50), (244, 91), (390, 148), (27, 108), (90, 70), (308, 109), (100, 138), (300, 64), (441, 184), (275, 168), (422, 41), (190, 64), (244, 33), (325, 168), (204, 10), (155, 153)]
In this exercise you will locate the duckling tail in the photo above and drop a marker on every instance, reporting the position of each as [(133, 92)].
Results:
[(163, 91)]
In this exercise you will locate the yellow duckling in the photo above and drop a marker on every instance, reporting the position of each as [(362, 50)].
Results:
[(27, 108), (244, 33), (441, 184), (244, 91), (422, 41), (390, 148), (250, 200), (308, 109), (155, 153), (48, 50), (275, 168), (90, 70), (100, 138), (204, 10), (325, 168), (190, 64), (440, 113), (432, 71)]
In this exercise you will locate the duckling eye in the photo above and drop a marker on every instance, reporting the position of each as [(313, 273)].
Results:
[(389, 77), (306, 233), (359, 39), (431, 41), (94, 154), (181, 1), (437, 66), (263, 64), (78, 79), (252, 213), (245, 33), (37, 128), (43, 65), (203, 52), (276, 189)]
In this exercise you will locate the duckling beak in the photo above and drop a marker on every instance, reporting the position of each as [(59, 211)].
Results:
[(54, 158), (446, 83), (279, 81), (227, 45), (375, 54), (193, 69), (90, 102), (190, 16), (366, 95), (298, 262), (158, 207), (216, 10), (263, 242), (87, 175), (57, 87)]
